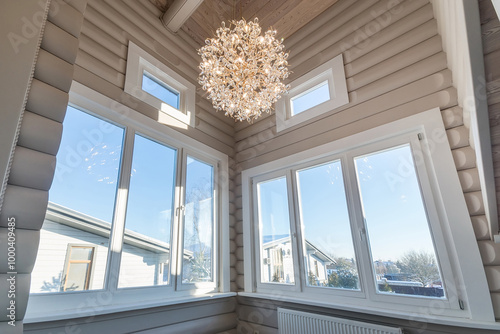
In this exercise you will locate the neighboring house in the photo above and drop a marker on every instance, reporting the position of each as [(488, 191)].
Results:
[(74, 249), (278, 263)]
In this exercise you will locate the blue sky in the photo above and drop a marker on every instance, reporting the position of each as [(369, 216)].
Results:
[(88, 162), (323, 209), (311, 99), (153, 87), (392, 203), (151, 191)]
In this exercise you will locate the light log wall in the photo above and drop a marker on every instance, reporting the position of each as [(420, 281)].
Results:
[(490, 28), (395, 67)]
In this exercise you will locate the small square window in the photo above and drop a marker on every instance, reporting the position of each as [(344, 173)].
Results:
[(151, 81), (317, 92), (160, 90), (310, 98)]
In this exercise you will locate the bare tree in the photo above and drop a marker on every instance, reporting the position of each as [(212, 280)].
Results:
[(421, 266)]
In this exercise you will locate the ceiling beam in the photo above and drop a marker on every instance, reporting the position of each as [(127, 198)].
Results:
[(178, 13)]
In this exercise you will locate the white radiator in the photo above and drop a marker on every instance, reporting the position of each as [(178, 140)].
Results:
[(295, 322)]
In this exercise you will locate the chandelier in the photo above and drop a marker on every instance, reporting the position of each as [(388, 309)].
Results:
[(242, 71)]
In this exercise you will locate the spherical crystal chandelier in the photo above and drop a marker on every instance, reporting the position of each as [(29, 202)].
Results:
[(242, 71)]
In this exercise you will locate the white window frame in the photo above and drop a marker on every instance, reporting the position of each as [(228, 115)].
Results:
[(271, 287), (333, 72), (138, 62), (458, 252), (66, 305), (198, 285)]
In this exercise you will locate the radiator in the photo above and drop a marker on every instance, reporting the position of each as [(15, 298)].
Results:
[(295, 322)]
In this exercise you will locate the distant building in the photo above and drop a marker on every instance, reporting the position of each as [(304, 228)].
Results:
[(73, 253), (277, 258)]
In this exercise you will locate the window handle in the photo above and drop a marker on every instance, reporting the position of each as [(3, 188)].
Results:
[(179, 209), (362, 233)]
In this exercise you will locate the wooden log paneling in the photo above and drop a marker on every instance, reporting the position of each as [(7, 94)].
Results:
[(490, 252), (493, 275), (401, 62), (469, 180), (452, 117), (464, 157), (355, 113), (250, 328), (495, 298), (475, 203), (481, 227), (458, 137)]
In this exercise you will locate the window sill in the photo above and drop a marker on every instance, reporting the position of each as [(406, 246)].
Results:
[(441, 320), (44, 316)]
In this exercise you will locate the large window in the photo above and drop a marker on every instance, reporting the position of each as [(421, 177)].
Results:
[(366, 222), (131, 210), (401, 246), (275, 237), (326, 233)]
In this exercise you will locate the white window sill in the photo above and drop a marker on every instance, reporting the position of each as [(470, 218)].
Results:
[(43, 316), (441, 320)]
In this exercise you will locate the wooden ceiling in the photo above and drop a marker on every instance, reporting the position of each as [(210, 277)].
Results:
[(286, 16)]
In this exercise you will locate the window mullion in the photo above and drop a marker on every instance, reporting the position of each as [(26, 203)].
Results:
[(358, 227), (294, 230), (118, 226), (295, 221), (180, 183)]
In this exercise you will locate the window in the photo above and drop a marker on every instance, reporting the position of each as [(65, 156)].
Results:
[(275, 236), (151, 81), (326, 231), (198, 222), (397, 225), (160, 90), (369, 221), (319, 91), (149, 218), (310, 98), (132, 210), (82, 196), (78, 268)]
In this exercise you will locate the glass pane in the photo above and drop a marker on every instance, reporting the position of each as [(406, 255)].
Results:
[(327, 240), (160, 90), (146, 250), (81, 199), (401, 245), (81, 253), (310, 98), (77, 276), (276, 256), (198, 222)]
